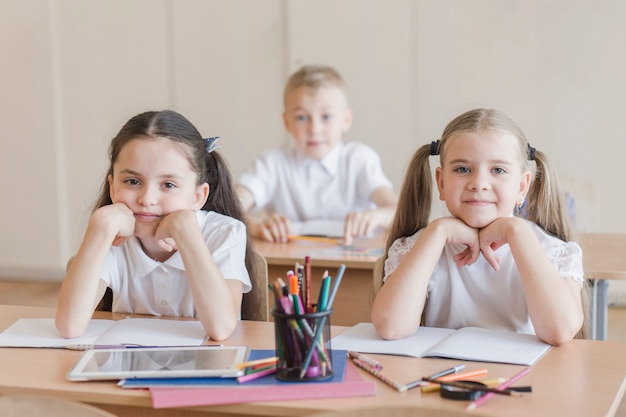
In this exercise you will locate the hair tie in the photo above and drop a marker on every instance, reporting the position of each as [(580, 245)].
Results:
[(434, 147), (531, 153), (210, 144)]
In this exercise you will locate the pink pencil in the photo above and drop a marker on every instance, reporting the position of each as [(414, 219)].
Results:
[(502, 386), (256, 375)]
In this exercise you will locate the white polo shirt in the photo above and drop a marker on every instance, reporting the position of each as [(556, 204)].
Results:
[(283, 180), (142, 285)]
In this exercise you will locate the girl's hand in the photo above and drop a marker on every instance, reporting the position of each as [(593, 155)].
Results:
[(493, 236), (361, 223), (170, 224), (274, 228), (458, 232), (117, 218)]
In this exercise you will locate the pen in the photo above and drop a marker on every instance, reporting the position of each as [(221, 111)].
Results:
[(374, 372), (502, 386), (436, 375), (368, 360)]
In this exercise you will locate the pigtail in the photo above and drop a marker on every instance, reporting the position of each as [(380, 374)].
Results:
[(223, 199), (547, 205), (548, 209)]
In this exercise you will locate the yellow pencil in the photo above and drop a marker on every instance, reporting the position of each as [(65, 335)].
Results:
[(318, 239), (268, 361)]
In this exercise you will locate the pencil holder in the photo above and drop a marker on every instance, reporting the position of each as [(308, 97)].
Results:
[(303, 346)]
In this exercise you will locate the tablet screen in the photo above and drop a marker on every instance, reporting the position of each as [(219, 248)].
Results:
[(196, 361)]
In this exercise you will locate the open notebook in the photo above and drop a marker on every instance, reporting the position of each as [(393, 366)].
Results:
[(106, 333), (468, 343)]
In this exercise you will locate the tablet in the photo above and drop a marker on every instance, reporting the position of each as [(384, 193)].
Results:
[(159, 362)]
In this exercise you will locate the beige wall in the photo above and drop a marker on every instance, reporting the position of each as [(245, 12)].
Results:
[(72, 71)]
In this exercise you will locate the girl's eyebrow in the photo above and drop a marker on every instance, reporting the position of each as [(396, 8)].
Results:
[(491, 161), (163, 176)]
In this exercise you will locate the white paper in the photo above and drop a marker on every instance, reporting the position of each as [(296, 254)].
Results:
[(132, 331), (469, 343), (324, 228)]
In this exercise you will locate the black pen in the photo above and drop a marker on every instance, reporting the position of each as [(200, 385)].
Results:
[(436, 375)]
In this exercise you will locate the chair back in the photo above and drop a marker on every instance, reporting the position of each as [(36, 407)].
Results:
[(377, 277), (255, 304)]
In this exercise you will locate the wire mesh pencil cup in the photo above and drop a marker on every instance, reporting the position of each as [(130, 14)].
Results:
[(303, 346)]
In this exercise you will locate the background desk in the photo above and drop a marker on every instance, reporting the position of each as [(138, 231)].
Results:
[(583, 378), (604, 257), (352, 303)]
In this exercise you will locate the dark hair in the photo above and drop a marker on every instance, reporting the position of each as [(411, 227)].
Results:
[(210, 167)]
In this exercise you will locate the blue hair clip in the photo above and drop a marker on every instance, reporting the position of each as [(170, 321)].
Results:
[(210, 144), (531, 153)]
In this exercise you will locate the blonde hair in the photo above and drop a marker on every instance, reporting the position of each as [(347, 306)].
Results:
[(546, 202), (314, 77)]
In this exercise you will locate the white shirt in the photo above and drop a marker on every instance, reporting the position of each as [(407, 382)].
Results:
[(479, 296), (142, 285), (285, 181)]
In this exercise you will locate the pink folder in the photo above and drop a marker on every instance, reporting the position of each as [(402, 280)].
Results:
[(353, 385)]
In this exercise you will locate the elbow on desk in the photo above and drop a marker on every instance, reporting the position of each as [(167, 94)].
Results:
[(68, 329)]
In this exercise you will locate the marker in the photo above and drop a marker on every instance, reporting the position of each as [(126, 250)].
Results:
[(436, 375), (368, 360)]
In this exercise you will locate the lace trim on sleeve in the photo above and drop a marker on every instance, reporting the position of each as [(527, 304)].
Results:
[(397, 252), (568, 260)]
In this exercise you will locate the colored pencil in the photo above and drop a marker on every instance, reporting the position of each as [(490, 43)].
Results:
[(474, 404), (469, 375), (375, 373), (471, 387)]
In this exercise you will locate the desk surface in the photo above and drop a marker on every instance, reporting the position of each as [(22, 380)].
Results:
[(582, 378)]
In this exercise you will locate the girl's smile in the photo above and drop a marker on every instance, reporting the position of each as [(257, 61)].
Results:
[(481, 177)]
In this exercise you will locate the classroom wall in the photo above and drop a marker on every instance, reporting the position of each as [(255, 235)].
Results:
[(73, 71)]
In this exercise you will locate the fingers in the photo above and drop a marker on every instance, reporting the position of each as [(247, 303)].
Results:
[(490, 256), (358, 223), (168, 244), (276, 228)]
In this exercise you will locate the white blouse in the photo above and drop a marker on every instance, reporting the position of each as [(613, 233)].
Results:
[(479, 296), (142, 285)]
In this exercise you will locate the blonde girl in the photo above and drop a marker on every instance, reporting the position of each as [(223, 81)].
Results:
[(484, 265)]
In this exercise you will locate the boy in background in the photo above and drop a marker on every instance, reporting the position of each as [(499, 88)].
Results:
[(321, 177)]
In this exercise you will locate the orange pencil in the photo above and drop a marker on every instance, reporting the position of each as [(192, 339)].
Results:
[(469, 375)]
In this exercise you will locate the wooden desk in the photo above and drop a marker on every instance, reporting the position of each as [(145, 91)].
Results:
[(583, 378), (604, 257), (352, 303)]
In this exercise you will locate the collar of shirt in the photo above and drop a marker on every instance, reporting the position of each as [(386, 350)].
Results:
[(329, 163), (143, 264)]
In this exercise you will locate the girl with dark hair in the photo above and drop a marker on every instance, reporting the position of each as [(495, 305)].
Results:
[(166, 235)]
